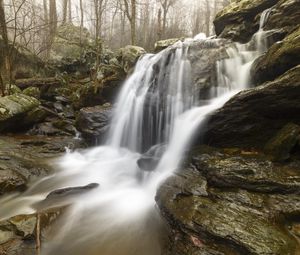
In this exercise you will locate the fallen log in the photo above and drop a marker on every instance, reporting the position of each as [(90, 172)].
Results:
[(38, 82)]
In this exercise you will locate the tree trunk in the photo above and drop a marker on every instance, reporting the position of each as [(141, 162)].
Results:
[(133, 22), (70, 11), (65, 11), (207, 18), (6, 57)]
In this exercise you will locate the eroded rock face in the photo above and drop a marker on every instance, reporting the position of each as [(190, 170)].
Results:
[(281, 57), (208, 217), (253, 117), (238, 20), (93, 122), (19, 111)]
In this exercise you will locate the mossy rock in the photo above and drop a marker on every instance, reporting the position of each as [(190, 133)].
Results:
[(14, 109), (129, 55), (279, 58), (33, 92), (237, 21), (163, 44)]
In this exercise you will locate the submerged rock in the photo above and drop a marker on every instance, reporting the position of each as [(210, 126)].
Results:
[(93, 122), (150, 159), (253, 117)]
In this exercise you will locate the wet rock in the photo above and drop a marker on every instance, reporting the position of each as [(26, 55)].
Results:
[(238, 20), (11, 181), (163, 44), (150, 159), (253, 117), (281, 146), (128, 56), (281, 57), (26, 158), (18, 234), (217, 226), (204, 56), (285, 15), (93, 122), (14, 110), (252, 173)]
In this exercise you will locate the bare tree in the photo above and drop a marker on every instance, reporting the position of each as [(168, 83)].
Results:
[(65, 10), (130, 11)]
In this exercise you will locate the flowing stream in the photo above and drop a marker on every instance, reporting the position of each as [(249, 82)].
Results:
[(157, 108)]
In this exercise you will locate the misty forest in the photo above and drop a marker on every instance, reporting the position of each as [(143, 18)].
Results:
[(149, 127)]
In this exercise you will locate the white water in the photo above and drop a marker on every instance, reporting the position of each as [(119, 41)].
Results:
[(156, 105), (260, 36)]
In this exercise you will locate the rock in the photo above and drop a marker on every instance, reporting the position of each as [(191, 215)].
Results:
[(26, 64), (104, 90), (128, 56), (93, 122), (217, 226), (285, 15), (251, 173), (150, 159), (281, 57), (72, 50), (204, 56), (16, 110), (32, 92), (11, 181), (18, 234), (26, 158), (280, 147), (237, 20), (163, 44), (253, 117)]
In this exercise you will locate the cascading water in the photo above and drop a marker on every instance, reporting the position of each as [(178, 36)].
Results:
[(157, 105)]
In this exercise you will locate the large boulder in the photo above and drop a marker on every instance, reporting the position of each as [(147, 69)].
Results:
[(128, 56), (217, 205), (19, 111), (238, 20), (281, 57), (204, 56), (72, 50), (25, 63), (93, 122), (253, 117)]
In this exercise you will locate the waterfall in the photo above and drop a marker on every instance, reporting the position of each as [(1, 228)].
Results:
[(156, 106), (260, 35)]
